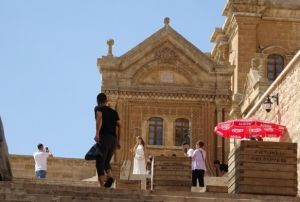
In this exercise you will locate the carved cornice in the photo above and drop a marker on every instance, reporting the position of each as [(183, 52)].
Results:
[(222, 87), (224, 34), (167, 96), (109, 63), (218, 32), (232, 8), (285, 8), (230, 27)]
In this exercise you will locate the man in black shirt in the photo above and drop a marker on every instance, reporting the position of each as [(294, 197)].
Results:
[(221, 168), (107, 136)]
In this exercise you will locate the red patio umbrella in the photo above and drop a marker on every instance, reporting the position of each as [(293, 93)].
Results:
[(247, 128)]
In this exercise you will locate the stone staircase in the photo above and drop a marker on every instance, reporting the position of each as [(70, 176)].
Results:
[(58, 191), (79, 184), (32, 190)]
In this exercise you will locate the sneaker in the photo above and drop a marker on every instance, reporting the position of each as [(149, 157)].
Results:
[(202, 189), (109, 182), (194, 189)]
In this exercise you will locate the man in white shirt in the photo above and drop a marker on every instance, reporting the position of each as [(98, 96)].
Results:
[(198, 165), (40, 158), (187, 150)]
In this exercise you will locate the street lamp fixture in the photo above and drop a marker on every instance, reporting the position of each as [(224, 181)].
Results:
[(270, 99)]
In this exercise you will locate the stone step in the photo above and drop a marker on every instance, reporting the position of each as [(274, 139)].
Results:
[(128, 184), (59, 182), (45, 191), (216, 189), (12, 197), (179, 196)]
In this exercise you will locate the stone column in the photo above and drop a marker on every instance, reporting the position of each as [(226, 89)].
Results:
[(168, 132), (219, 138), (227, 141), (235, 111)]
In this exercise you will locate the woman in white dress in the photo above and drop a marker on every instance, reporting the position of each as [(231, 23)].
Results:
[(139, 160)]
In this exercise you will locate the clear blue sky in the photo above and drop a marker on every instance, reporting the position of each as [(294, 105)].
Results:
[(48, 52)]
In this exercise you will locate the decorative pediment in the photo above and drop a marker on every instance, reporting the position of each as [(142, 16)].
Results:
[(167, 45), (165, 62)]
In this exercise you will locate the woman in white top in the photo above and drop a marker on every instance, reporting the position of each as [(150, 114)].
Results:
[(198, 165), (139, 161)]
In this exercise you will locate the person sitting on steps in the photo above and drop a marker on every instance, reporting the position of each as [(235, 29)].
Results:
[(221, 168)]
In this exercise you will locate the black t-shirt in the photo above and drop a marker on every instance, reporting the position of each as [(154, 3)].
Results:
[(224, 167), (109, 120)]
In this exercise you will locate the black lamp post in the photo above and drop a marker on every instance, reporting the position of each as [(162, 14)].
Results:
[(270, 100)]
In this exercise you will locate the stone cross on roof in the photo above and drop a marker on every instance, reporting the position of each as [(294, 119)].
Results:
[(167, 21), (110, 43)]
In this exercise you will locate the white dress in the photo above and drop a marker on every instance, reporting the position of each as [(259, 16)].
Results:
[(139, 164)]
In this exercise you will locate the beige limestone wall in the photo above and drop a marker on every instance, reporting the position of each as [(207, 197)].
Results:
[(135, 113), (246, 49), (269, 36), (284, 34), (58, 168), (233, 59), (287, 85), (257, 28)]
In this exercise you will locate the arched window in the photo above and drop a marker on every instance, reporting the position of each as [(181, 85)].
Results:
[(181, 131), (155, 131), (275, 66)]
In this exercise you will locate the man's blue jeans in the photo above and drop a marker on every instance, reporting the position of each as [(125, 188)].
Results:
[(41, 174)]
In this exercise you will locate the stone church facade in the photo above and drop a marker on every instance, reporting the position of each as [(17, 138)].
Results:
[(261, 38), (168, 91)]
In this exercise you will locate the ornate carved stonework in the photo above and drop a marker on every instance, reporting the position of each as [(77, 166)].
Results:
[(223, 53), (255, 85), (166, 55)]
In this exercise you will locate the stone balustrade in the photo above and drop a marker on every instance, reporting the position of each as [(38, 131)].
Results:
[(58, 168)]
